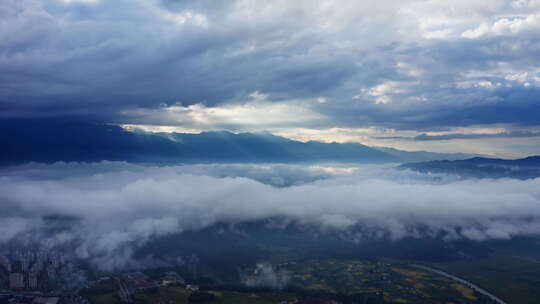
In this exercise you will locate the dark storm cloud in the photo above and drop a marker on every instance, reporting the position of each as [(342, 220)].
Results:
[(118, 54), (397, 64)]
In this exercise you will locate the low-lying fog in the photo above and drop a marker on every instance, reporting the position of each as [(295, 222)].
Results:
[(112, 208)]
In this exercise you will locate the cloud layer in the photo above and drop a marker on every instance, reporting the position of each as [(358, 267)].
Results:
[(113, 208), (393, 64)]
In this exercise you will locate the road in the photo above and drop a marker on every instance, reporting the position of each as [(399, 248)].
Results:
[(123, 292), (462, 281)]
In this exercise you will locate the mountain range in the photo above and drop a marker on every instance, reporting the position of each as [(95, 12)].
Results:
[(51, 141), (480, 167)]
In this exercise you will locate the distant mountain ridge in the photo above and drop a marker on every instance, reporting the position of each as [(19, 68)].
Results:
[(419, 156), (481, 167), (50, 141)]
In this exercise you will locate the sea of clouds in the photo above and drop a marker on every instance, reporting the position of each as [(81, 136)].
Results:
[(113, 208)]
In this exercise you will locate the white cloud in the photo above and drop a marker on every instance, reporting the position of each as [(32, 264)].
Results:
[(80, 1), (120, 205), (505, 26), (382, 93), (258, 113)]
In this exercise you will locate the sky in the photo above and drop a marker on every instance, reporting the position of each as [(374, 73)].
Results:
[(435, 75)]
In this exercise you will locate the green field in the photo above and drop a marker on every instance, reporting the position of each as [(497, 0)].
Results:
[(397, 282), (181, 295), (515, 279)]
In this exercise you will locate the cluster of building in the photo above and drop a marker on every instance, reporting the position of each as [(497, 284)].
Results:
[(32, 270), (133, 282), (309, 301), (31, 299), (138, 281)]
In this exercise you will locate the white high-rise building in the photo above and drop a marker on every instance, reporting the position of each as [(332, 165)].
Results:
[(25, 264), (16, 280), (32, 280), (5, 263)]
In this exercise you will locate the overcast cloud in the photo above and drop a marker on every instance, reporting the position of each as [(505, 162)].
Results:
[(392, 65)]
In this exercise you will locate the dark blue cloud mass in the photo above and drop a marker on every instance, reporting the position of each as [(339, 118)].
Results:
[(407, 65)]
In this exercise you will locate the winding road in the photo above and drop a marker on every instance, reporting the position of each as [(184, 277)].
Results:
[(462, 281)]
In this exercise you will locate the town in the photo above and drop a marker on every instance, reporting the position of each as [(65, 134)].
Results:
[(39, 276), (42, 276)]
